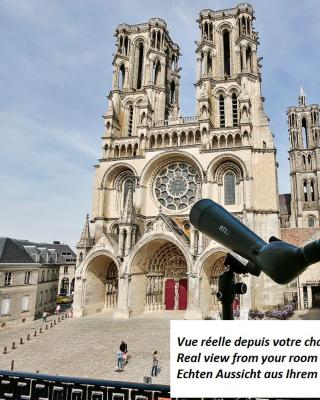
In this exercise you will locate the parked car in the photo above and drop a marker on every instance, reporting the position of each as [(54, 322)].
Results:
[(62, 299)]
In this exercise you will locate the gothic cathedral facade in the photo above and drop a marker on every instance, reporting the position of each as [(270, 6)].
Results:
[(143, 255)]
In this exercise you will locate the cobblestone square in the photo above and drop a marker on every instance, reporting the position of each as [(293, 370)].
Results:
[(87, 347)]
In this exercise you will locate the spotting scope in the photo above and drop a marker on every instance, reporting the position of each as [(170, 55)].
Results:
[(281, 261)]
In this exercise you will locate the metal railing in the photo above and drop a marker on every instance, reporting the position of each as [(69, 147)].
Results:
[(28, 386), (175, 121)]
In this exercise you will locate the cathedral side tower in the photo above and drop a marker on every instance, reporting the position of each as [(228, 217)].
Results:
[(145, 85), (228, 82), (304, 157)]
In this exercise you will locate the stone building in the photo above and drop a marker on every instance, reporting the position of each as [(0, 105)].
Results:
[(142, 254), (29, 277), (67, 272)]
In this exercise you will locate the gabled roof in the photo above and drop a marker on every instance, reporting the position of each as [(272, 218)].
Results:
[(22, 251), (12, 252), (173, 227)]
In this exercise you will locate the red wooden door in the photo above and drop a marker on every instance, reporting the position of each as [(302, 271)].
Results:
[(169, 294), (183, 294)]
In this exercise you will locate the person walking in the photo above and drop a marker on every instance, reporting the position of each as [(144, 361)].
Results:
[(155, 362), (119, 361), (58, 308), (44, 315), (124, 348)]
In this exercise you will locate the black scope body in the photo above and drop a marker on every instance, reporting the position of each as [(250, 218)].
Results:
[(281, 261)]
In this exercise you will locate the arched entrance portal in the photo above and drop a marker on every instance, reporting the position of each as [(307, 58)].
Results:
[(160, 269), (101, 285), (213, 266), (111, 297)]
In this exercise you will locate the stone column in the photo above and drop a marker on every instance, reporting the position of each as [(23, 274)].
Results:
[(193, 310), (120, 245), (205, 60), (114, 79), (176, 294), (199, 67), (309, 190), (162, 73), (192, 240), (101, 194), (254, 62), (244, 61), (126, 78), (123, 296), (309, 291), (128, 241), (149, 70), (79, 296)]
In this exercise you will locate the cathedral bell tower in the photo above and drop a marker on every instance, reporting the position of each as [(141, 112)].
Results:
[(145, 85), (228, 92), (304, 137)]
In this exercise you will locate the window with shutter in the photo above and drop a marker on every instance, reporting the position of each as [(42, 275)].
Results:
[(25, 303), (5, 306)]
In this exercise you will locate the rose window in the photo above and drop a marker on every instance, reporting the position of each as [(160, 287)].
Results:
[(176, 185)]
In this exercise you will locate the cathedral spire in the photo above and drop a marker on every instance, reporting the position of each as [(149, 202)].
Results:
[(85, 239), (302, 97)]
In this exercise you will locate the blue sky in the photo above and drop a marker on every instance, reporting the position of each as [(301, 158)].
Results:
[(55, 74)]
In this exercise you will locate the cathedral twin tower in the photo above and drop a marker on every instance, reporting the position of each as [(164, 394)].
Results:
[(144, 255)]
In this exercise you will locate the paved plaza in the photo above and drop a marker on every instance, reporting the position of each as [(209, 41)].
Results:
[(86, 347)]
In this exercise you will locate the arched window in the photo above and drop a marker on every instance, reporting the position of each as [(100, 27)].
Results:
[(304, 132), (122, 75), (221, 111), (158, 40), (140, 66), (229, 189), (156, 72), (174, 139), (243, 25), (215, 142), (309, 162), (120, 44), (305, 191), (312, 191), (173, 62), (130, 120), (304, 162), (126, 45), (153, 39), (234, 109), (311, 221), (226, 52), (249, 59), (80, 257), (209, 64), (172, 92)]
